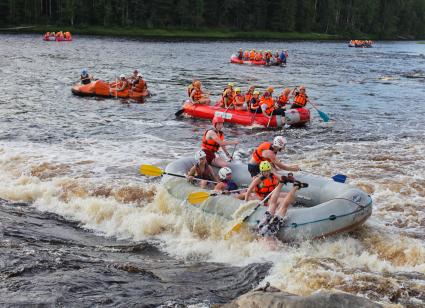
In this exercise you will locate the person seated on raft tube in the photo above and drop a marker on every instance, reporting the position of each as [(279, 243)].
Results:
[(240, 54), (283, 99), (139, 85), (268, 56), (122, 84), (239, 100), (226, 184), (227, 96), (278, 202), (85, 77), (283, 55), (300, 98), (246, 55), (254, 102), (249, 93), (268, 107), (267, 152), (197, 96), (252, 55), (201, 170), (68, 35), (212, 140), (133, 77)]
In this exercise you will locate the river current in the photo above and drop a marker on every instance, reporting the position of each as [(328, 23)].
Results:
[(80, 225)]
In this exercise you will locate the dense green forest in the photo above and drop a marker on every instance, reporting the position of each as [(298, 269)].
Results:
[(379, 18)]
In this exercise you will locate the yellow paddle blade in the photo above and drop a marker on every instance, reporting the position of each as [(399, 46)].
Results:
[(198, 197), (150, 170), (235, 228)]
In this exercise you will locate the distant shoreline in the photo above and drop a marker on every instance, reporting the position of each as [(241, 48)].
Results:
[(135, 32)]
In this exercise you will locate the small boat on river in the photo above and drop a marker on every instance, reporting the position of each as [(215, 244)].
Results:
[(103, 89), (294, 117), (324, 208)]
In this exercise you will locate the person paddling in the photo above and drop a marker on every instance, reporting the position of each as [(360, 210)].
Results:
[(279, 201), (226, 184), (267, 152), (300, 99), (201, 170), (227, 96), (212, 140), (239, 100), (284, 99), (139, 85), (197, 96), (122, 83)]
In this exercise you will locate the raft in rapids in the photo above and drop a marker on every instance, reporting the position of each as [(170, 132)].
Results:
[(322, 209), (296, 117)]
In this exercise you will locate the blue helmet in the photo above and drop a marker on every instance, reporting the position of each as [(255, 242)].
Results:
[(84, 71)]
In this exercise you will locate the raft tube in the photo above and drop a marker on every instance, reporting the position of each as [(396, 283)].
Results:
[(57, 39), (103, 89), (236, 60), (322, 209), (295, 117)]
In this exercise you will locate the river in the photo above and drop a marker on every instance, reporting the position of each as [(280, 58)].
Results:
[(81, 226)]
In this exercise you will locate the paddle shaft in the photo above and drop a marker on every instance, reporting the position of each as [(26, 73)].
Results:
[(234, 149), (258, 205), (183, 176)]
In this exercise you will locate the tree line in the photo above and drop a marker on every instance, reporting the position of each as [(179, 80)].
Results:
[(380, 18)]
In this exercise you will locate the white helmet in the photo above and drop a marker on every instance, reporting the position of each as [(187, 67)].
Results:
[(279, 142), (122, 76), (199, 155), (224, 172)]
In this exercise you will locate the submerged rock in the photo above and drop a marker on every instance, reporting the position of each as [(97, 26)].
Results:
[(273, 298)]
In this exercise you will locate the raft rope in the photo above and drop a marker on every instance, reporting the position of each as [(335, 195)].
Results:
[(333, 217)]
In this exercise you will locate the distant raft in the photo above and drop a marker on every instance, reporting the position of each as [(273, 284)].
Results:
[(236, 60), (103, 89), (57, 37), (322, 209), (295, 117)]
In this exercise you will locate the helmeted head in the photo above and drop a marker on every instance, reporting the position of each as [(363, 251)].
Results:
[(251, 88), (256, 93), (240, 49), (197, 84), (199, 156), (302, 88), (238, 90), (122, 76), (139, 75), (279, 142), (217, 120), (270, 89), (224, 172), (265, 166), (231, 84), (135, 72), (84, 72), (266, 94), (286, 91)]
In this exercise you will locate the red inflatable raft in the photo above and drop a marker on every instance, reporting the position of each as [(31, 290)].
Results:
[(236, 60), (297, 117), (103, 89)]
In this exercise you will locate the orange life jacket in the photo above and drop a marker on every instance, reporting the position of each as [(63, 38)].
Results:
[(300, 99), (266, 186), (228, 95), (283, 100), (197, 95), (239, 99), (258, 153), (139, 86), (269, 103), (258, 57), (252, 55), (246, 54), (210, 144)]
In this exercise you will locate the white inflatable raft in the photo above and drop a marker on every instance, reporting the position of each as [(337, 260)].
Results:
[(324, 208)]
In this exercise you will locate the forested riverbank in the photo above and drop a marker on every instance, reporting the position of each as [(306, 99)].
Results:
[(279, 19)]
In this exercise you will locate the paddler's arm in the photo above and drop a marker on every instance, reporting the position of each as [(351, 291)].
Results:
[(212, 174), (251, 188), (277, 163)]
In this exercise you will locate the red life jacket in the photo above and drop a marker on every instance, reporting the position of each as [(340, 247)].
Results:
[(211, 145), (266, 186), (258, 153)]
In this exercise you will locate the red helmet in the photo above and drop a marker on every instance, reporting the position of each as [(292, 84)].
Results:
[(216, 120)]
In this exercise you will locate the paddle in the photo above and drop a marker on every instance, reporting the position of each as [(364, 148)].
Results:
[(340, 178), (323, 115), (238, 225), (200, 196), (151, 170), (234, 149)]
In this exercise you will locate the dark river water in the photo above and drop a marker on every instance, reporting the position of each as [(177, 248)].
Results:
[(81, 227)]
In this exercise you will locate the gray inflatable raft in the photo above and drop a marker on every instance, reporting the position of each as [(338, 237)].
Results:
[(324, 208)]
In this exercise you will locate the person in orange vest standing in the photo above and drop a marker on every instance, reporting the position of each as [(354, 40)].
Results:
[(267, 151), (212, 140), (300, 98)]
